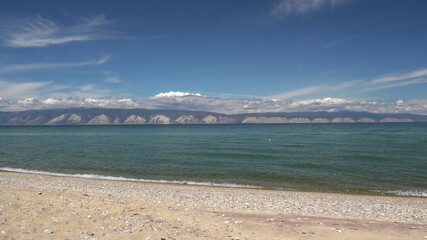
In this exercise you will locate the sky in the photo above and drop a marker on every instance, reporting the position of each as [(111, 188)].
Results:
[(225, 56)]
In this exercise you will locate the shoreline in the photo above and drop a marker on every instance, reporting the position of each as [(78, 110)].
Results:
[(137, 209), (204, 184)]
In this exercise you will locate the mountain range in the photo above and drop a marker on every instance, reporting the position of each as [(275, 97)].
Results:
[(106, 116)]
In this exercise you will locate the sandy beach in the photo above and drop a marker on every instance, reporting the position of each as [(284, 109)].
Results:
[(47, 207)]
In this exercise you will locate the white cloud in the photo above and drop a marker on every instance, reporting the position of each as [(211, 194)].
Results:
[(322, 101), (285, 8), (36, 66), (41, 32), (176, 94)]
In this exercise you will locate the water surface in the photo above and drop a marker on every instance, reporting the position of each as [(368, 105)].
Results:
[(371, 158)]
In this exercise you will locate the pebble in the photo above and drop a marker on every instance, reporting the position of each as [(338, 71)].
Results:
[(335, 223), (413, 227), (89, 233), (48, 231), (311, 232)]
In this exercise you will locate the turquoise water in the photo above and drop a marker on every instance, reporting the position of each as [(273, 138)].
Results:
[(369, 158)]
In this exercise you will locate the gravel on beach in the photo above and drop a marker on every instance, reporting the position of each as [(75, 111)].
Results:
[(182, 211)]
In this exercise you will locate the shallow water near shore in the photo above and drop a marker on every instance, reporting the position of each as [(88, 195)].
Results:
[(361, 158)]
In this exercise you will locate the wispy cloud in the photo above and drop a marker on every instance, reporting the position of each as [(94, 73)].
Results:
[(285, 8), (324, 88), (12, 90), (338, 42), (299, 92), (400, 77), (42, 32), (90, 91), (398, 84), (379, 83), (113, 79), (36, 66)]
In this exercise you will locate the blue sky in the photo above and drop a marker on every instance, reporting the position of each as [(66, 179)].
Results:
[(240, 56)]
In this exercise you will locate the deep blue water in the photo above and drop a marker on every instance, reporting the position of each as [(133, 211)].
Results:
[(371, 158)]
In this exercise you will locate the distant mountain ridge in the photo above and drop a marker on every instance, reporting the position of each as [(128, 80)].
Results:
[(107, 116)]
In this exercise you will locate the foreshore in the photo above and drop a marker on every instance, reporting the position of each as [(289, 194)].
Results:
[(34, 206)]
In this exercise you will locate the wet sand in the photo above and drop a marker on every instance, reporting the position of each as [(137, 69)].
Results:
[(47, 207)]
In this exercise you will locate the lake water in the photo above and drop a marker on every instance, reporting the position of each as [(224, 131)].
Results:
[(362, 158)]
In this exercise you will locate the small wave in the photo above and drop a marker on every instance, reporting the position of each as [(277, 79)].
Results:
[(95, 176), (408, 193), (411, 193)]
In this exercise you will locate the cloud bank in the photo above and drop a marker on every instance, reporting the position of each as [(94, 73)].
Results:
[(195, 101)]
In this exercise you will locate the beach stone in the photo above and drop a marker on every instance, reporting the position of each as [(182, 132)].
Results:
[(40, 193), (48, 231), (311, 232), (89, 233), (335, 223), (26, 232), (413, 227)]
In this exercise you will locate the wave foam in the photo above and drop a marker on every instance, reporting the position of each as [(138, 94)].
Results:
[(408, 193), (411, 193), (95, 176)]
